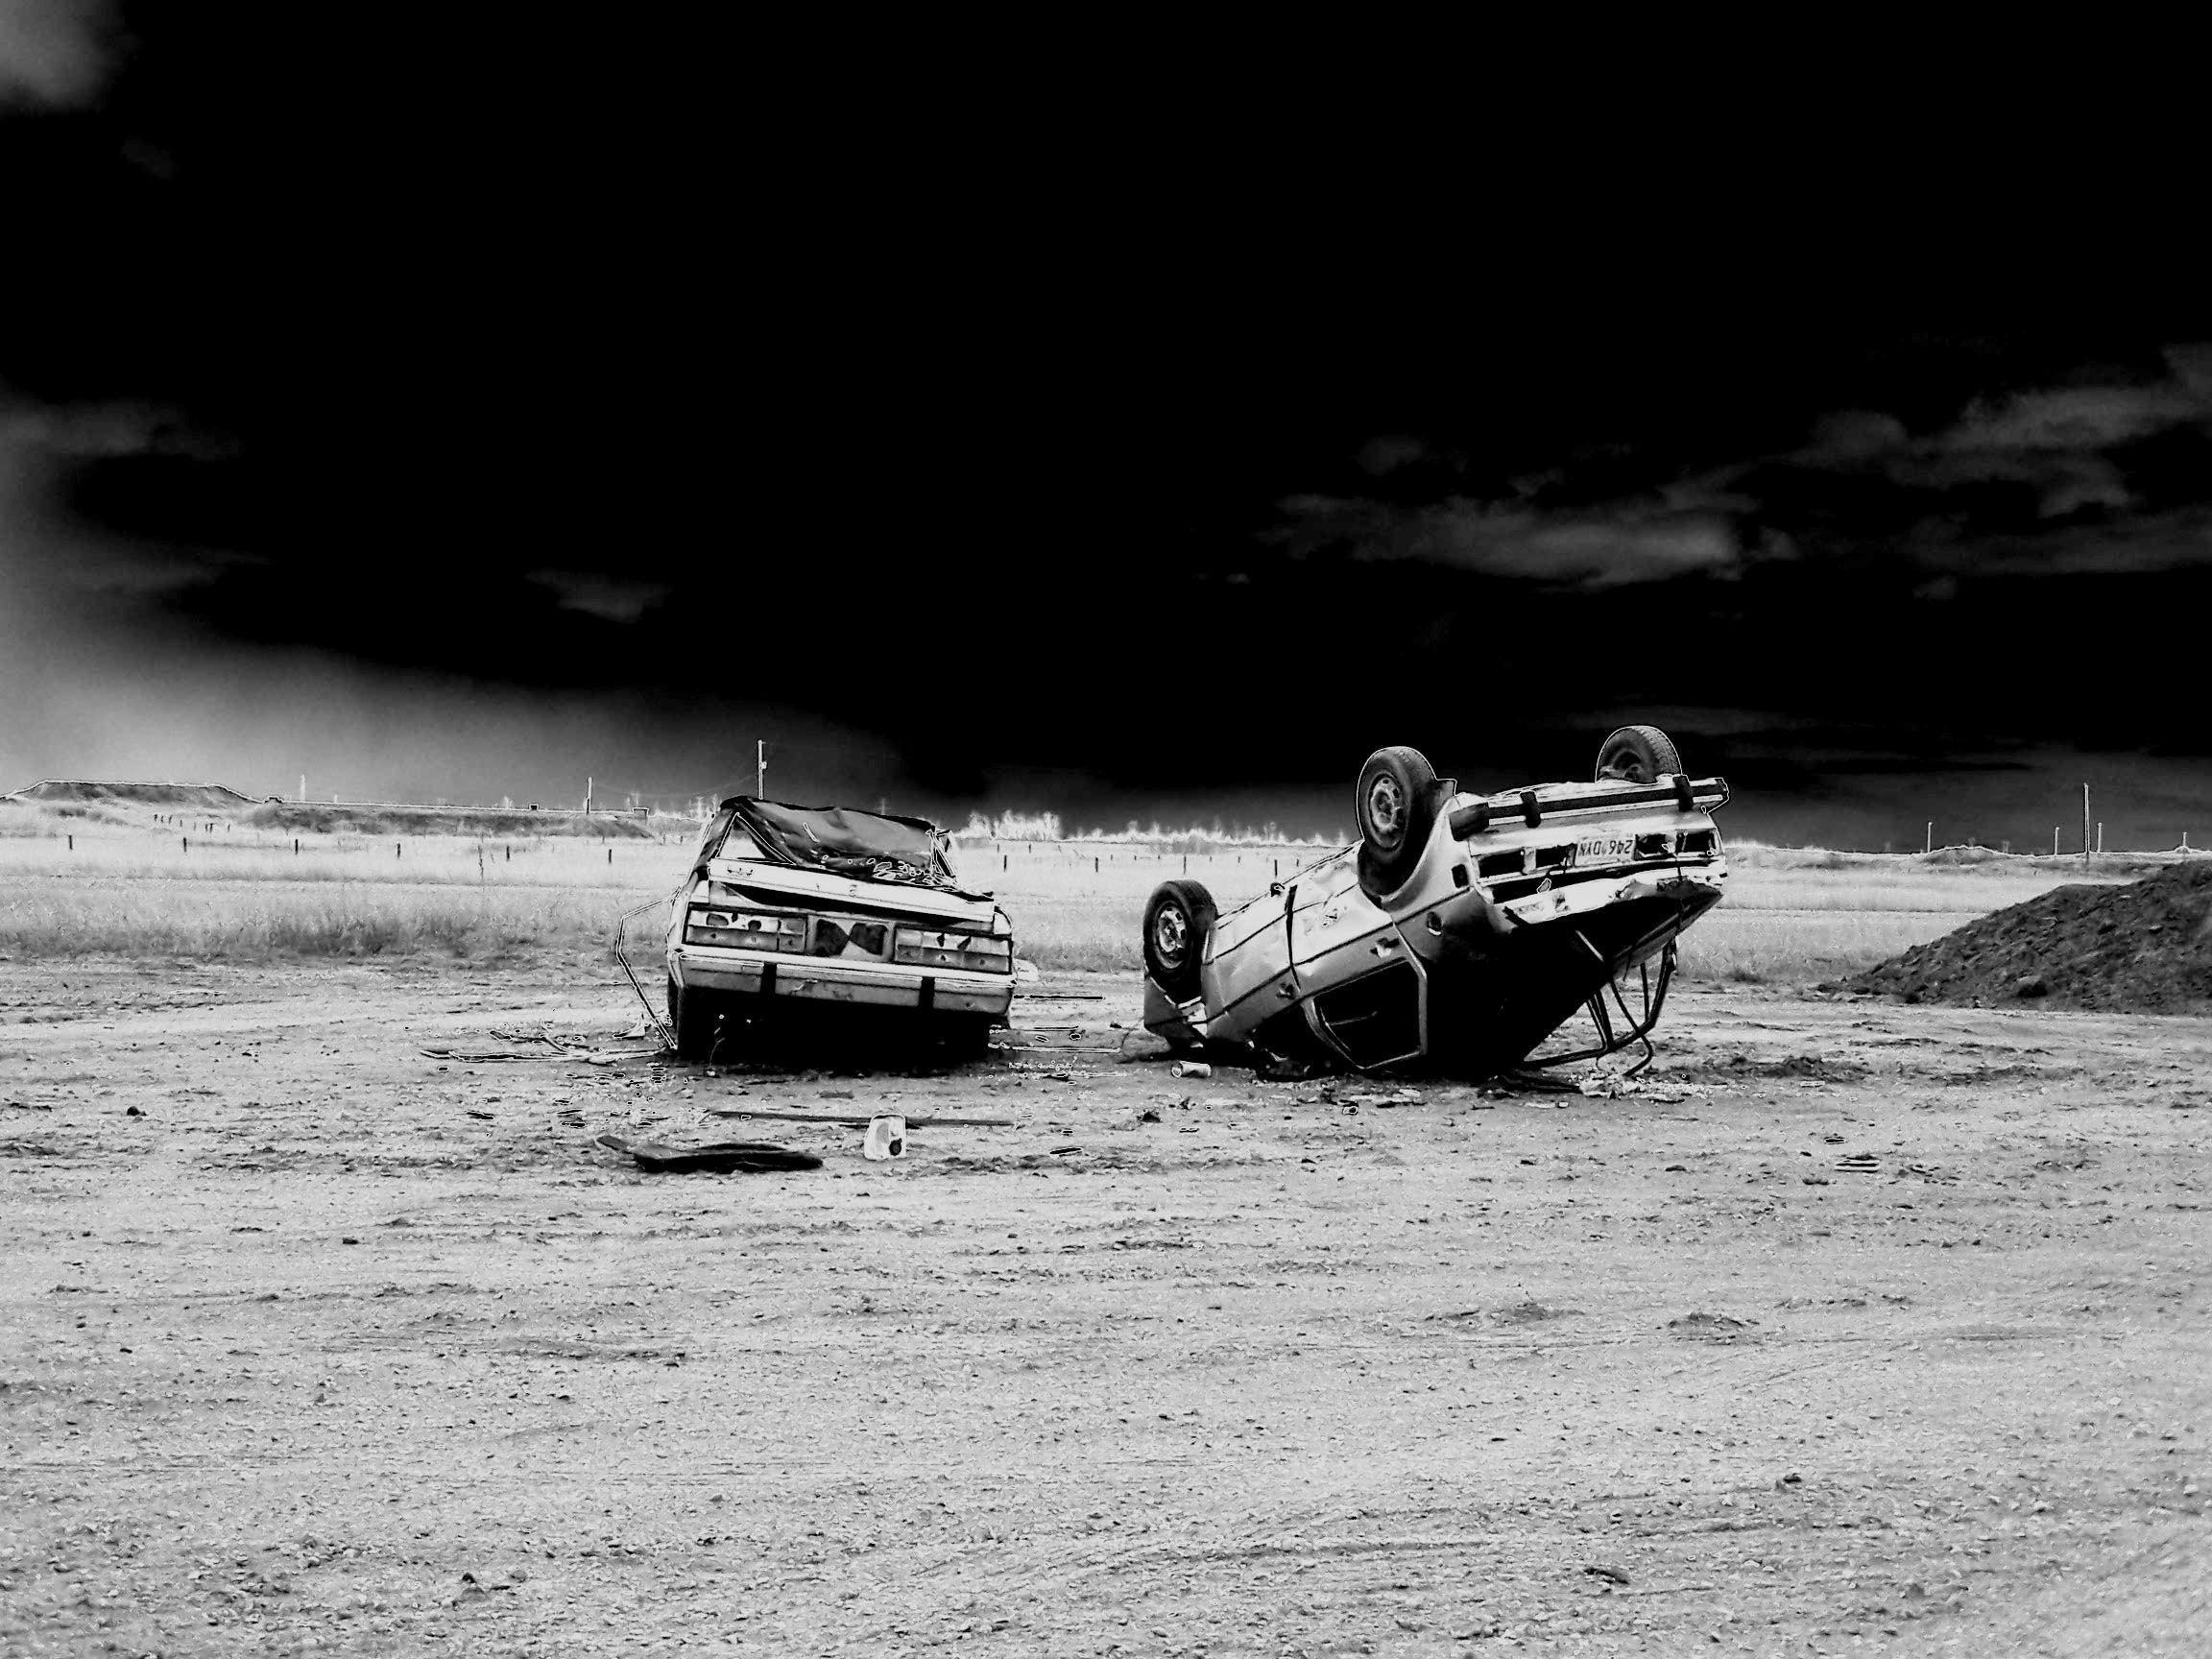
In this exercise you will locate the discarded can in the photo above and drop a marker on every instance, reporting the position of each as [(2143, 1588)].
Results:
[(1190, 1069), (886, 1138)]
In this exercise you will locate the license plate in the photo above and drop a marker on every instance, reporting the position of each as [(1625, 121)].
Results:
[(1604, 849)]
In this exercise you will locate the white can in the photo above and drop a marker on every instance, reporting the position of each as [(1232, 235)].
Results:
[(886, 1138), (1190, 1069)]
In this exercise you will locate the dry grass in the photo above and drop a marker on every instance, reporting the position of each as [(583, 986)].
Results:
[(135, 889), (258, 921), (129, 888)]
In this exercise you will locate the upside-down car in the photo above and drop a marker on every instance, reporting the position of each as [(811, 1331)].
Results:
[(1461, 931), (796, 910)]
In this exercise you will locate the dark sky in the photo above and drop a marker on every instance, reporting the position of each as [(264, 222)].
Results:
[(463, 415)]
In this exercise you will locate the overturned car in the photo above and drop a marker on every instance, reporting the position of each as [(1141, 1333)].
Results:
[(1461, 931), (794, 915)]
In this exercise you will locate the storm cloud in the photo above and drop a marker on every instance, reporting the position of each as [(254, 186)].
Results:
[(2103, 476), (553, 398)]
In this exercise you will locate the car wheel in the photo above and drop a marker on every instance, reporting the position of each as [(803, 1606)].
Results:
[(692, 1013), (1638, 754), (1177, 919), (1395, 806)]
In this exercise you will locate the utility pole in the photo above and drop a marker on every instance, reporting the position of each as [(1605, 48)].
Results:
[(587, 796), (2084, 822), (760, 768)]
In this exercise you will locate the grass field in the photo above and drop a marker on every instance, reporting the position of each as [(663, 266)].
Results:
[(112, 882)]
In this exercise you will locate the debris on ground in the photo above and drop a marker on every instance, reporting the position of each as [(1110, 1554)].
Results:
[(1710, 1327), (556, 1049), (1141, 1044), (1600, 1083), (611, 1056), (859, 1120), (1925, 1173), (1526, 1080), (1615, 1574), (1530, 1311), (1396, 1097), (2142, 948), (718, 1157)]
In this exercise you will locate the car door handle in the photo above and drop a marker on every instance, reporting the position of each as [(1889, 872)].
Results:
[(1386, 943)]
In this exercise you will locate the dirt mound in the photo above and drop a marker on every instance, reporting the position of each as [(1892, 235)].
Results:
[(309, 818), (2144, 948), (209, 797)]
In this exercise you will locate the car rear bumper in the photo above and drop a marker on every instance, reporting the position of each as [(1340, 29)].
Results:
[(819, 982)]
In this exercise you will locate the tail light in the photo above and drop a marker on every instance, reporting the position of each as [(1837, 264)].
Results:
[(745, 929), (974, 953)]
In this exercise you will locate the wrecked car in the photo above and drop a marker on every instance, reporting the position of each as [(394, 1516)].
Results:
[(1460, 931), (791, 912)]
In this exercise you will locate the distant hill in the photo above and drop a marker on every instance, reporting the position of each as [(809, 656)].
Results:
[(203, 797)]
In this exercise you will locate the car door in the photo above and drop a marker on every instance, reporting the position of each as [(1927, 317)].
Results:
[(1362, 994), (1247, 970)]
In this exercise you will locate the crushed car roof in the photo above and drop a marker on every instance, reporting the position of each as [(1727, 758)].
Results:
[(842, 839)]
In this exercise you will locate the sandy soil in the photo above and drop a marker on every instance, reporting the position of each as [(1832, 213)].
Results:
[(313, 1342)]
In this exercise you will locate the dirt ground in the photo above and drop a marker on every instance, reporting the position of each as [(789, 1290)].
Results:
[(313, 1342)]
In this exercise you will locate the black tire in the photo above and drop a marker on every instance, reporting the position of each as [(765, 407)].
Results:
[(1638, 754), (1177, 919), (1395, 806), (693, 1014)]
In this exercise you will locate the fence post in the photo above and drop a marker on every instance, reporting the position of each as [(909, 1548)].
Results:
[(187, 841), (295, 846), (394, 848), (1929, 846), (73, 843), (2054, 840), (609, 855)]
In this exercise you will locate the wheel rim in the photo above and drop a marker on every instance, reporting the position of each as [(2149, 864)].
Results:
[(1627, 767), (1171, 934), (1385, 810)]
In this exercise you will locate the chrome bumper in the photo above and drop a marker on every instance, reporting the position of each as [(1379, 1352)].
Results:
[(824, 983)]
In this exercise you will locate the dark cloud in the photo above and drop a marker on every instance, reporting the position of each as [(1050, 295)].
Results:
[(1632, 544), (509, 374), (2102, 475), (52, 52)]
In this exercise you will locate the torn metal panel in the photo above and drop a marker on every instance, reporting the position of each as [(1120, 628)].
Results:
[(869, 846)]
